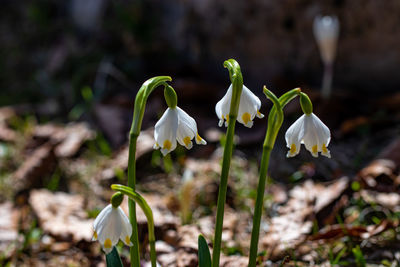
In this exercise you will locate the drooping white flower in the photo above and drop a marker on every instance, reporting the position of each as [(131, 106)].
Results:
[(111, 225), (310, 131), (249, 107), (326, 31), (175, 124)]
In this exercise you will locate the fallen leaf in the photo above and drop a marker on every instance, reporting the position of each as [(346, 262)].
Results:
[(290, 228), (379, 175), (37, 165), (68, 139), (388, 200), (339, 230), (144, 145), (8, 227), (62, 215)]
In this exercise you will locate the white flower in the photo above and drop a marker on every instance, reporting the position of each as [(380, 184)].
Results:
[(176, 124), (326, 31), (248, 107), (310, 131), (110, 225)]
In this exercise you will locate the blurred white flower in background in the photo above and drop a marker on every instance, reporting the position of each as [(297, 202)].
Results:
[(326, 32)]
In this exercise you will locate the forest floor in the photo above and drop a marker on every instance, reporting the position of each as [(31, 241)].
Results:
[(55, 177)]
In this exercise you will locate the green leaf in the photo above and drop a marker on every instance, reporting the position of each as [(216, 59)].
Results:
[(113, 259), (204, 252), (358, 255)]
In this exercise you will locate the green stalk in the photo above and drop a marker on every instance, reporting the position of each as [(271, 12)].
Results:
[(137, 198), (140, 104), (275, 119), (237, 82)]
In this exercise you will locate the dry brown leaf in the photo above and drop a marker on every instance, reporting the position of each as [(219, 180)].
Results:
[(39, 164), (379, 175), (291, 227), (144, 144), (388, 200), (8, 226), (69, 138), (76, 134), (339, 230), (186, 258), (233, 261), (6, 134), (61, 214), (164, 220)]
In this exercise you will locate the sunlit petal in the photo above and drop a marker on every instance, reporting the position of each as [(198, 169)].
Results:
[(165, 131), (310, 131)]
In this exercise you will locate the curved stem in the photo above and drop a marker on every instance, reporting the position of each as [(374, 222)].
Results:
[(237, 82), (137, 198), (140, 104)]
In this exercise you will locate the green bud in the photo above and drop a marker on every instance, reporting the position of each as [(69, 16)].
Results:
[(170, 96), (305, 103), (116, 199)]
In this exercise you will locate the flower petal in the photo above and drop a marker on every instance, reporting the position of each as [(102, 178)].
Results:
[(165, 131), (248, 107), (294, 135), (110, 231), (223, 106), (310, 138), (187, 129), (126, 228), (99, 221)]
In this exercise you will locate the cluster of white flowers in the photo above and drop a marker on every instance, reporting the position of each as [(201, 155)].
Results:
[(176, 125)]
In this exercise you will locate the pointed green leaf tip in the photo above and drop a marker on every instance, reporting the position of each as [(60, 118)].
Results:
[(113, 259), (204, 252), (170, 96), (306, 104)]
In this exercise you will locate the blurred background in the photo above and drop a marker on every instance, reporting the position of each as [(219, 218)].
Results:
[(75, 66)]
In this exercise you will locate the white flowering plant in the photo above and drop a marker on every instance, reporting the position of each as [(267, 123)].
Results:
[(176, 126)]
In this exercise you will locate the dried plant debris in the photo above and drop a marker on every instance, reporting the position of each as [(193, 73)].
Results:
[(359, 231), (37, 165), (9, 216), (6, 133), (380, 175), (164, 219), (69, 138), (294, 222), (62, 215), (144, 145)]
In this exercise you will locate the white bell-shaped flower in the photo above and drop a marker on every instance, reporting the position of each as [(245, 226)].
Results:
[(249, 107), (175, 124), (111, 225), (310, 131), (326, 32)]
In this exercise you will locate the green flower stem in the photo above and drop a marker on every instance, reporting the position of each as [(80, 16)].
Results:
[(137, 198), (140, 104), (237, 82), (275, 119)]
